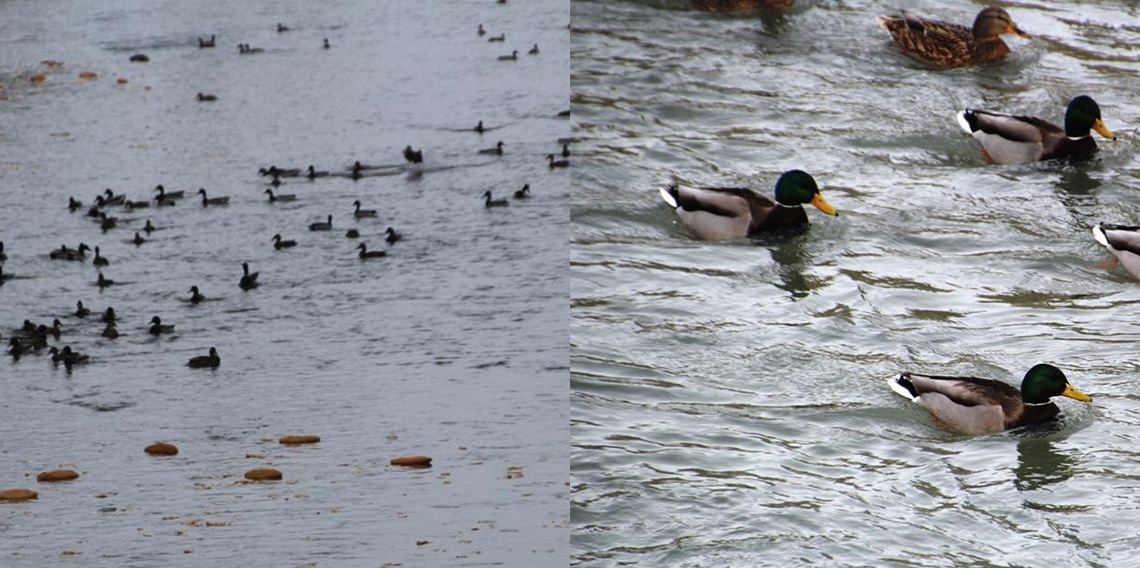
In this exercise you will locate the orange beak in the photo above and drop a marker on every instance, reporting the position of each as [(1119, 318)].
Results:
[(1013, 29)]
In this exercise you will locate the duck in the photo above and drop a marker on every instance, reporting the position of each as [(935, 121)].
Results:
[(1123, 242), (100, 260), (1008, 139), (207, 201), (352, 234), (74, 204), (969, 405), (4, 277), (203, 361), (109, 315), (80, 311), (282, 28), (946, 45), (55, 330), (207, 98), (315, 173), (362, 213), (565, 151), (136, 204), (489, 203), (64, 253), (366, 254), (16, 348), (276, 171), (113, 199), (103, 281), (107, 223), (67, 356), (497, 150), (3, 256), (138, 240), (164, 195), (94, 211), (139, 58), (196, 297), (319, 226), (149, 228), (556, 163), (245, 49), (248, 280), (204, 43), (415, 156), (110, 332), (500, 37), (393, 236), (280, 244), (523, 193), (534, 50), (717, 213), (326, 44), (275, 198), (481, 31), (156, 327), (513, 56), (478, 128)]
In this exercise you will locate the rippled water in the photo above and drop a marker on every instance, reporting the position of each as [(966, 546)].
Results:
[(728, 399), (453, 346)]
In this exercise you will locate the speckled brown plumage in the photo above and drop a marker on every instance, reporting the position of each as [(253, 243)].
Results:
[(948, 45), (739, 5)]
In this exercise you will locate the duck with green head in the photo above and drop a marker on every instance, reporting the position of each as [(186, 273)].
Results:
[(969, 405), (716, 213), (1008, 139)]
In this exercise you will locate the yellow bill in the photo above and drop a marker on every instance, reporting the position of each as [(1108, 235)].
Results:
[(1075, 394), (1013, 29), (822, 205), (1100, 128)]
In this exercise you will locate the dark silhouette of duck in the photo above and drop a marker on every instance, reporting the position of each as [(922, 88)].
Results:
[(208, 201), (489, 203), (107, 223), (149, 228), (326, 44), (80, 311), (156, 327), (73, 204), (279, 244), (352, 234), (534, 50), (245, 49), (319, 226), (523, 193), (207, 98), (362, 213), (112, 199), (282, 28), (513, 56), (556, 163), (104, 282), (479, 127), (205, 43), (481, 31), (496, 151), (565, 151), (393, 236), (415, 156), (4, 277), (109, 315), (110, 332), (211, 361), (366, 254), (139, 58), (64, 253), (500, 37), (100, 260), (276, 171), (138, 240), (3, 256), (275, 198), (248, 280), (315, 173), (132, 205), (196, 297)]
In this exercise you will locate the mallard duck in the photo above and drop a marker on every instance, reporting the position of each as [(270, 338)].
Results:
[(969, 405), (489, 203), (739, 5), (552, 163), (248, 281), (523, 193), (164, 195), (1008, 139), (362, 213), (138, 240), (534, 50), (109, 315), (208, 201), (281, 244), (196, 297), (110, 332), (393, 236), (315, 173), (481, 31), (73, 204), (1123, 242), (100, 260), (203, 361), (149, 228), (500, 37), (366, 254), (113, 199), (949, 45), (513, 56), (71, 358), (80, 311), (156, 327), (207, 98), (103, 281), (275, 198), (497, 150), (318, 226), (714, 213), (204, 43)]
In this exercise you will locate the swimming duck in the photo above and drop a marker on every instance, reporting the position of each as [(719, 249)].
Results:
[(80, 311), (500, 37), (71, 358), (3, 256), (156, 327), (513, 56), (207, 98), (969, 405), (565, 151), (139, 58), (73, 204), (281, 28), (534, 50), (1008, 139), (556, 163), (149, 228), (109, 331), (275, 198), (489, 203), (113, 199), (100, 260), (55, 330), (1123, 242), (366, 254), (136, 204), (417, 156), (207, 201), (714, 213), (103, 281), (109, 315), (16, 348), (326, 45), (248, 281), (318, 226), (138, 240), (107, 223), (3, 276), (276, 171), (315, 173), (478, 128), (94, 211), (280, 244), (352, 234), (949, 45), (196, 297), (245, 49), (204, 43), (481, 31), (164, 195), (202, 361), (56, 356), (497, 150), (64, 253), (393, 236), (362, 213), (523, 193)]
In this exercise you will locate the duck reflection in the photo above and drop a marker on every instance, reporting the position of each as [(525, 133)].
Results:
[(793, 260), (1039, 464)]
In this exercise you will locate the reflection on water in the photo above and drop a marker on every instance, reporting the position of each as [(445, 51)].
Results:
[(1039, 464)]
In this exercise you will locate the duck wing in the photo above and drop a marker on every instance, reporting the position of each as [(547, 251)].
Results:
[(1009, 139), (941, 43), (967, 405)]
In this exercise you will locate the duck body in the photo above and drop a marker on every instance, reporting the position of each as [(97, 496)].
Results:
[(138, 240), (496, 151), (208, 201), (275, 198), (73, 204), (718, 213), (248, 281), (207, 98), (196, 296), (947, 45), (100, 260), (325, 226), (969, 405), (206, 43), (552, 163), (1008, 139), (110, 332), (157, 328), (534, 50), (366, 254), (211, 361), (490, 202), (500, 37), (104, 282), (1123, 242), (523, 193), (393, 236), (414, 156), (315, 173), (80, 311), (279, 244), (513, 56), (136, 204)]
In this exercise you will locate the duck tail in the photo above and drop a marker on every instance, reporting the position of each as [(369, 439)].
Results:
[(670, 195), (1098, 234), (968, 121), (903, 387)]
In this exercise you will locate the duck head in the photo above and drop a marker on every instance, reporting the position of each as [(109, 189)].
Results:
[(992, 22), (1082, 115), (1044, 381), (797, 187)]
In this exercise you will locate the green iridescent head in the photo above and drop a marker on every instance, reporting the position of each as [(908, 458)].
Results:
[(1082, 116), (1045, 381), (797, 187)]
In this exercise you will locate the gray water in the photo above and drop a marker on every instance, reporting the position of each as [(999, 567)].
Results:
[(453, 346), (729, 405)]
